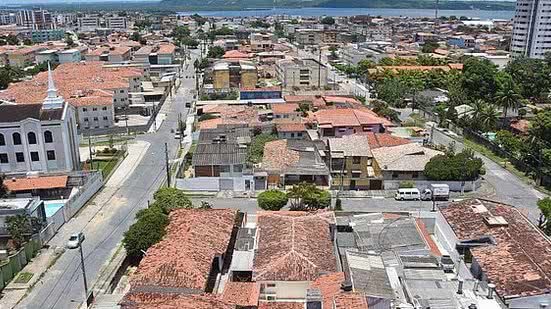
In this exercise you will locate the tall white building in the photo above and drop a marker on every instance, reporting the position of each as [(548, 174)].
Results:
[(531, 28), (39, 137)]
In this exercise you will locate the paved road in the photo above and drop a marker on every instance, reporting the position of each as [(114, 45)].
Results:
[(509, 189), (62, 285)]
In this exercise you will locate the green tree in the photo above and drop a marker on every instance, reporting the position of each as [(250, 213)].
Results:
[(216, 52), (328, 20), (171, 198), (306, 196), (391, 91), (429, 47), (510, 142), (147, 231), (479, 78), (180, 32), (463, 166), (541, 126), (3, 189), (507, 95), (256, 151), (544, 223), (20, 229), (272, 200), (135, 36), (531, 75)]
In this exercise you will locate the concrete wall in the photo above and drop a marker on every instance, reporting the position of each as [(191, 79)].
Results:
[(424, 184), (215, 184), (75, 202)]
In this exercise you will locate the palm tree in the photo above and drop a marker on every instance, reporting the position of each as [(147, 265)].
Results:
[(507, 97), (488, 117)]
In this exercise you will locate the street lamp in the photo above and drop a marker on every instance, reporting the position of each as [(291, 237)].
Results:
[(75, 241)]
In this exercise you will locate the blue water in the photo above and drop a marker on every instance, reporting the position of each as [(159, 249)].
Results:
[(51, 207), (483, 15)]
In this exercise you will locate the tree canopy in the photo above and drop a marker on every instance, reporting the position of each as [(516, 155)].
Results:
[(147, 231), (328, 20), (272, 200), (307, 196), (216, 52), (463, 166), (171, 198), (544, 205)]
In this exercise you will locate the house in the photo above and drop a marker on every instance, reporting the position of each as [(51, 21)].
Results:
[(302, 73), (403, 162), (308, 36), (39, 137), (289, 162), (41, 186), (33, 207), (285, 264), (262, 41), (505, 250), (162, 54), (111, 54), (345, 121), (24, 56), (290, 130), (378, 140), (221, 152), (289, 111), (351, 164), (183, 266)]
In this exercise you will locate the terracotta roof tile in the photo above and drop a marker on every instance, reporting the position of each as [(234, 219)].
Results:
[(293, 246), (291, 127), (280, 305), (183, 259), (519, 263), (173, 301), (23, 184), (277, 157), (241, 293), (346, 117), (282, 109), (377, 140), (329, 286), (235, 54), (350, 301)]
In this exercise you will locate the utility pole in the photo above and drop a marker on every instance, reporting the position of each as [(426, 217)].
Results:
[(167, 166), (319, 70), (90, 151), (83, 271)]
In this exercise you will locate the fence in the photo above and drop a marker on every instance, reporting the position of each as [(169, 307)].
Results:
[(16, 262), (425, 184)]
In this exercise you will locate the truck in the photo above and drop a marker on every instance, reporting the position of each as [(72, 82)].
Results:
[(436, 192)]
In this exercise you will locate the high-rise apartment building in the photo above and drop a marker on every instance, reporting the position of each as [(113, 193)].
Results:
[(531, 28), (35, 19)]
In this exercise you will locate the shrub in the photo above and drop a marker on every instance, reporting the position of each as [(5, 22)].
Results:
[(147, 231), (171, 198), (407, 184), (306, 196), (338, 205), (454, 167), (272, 200)]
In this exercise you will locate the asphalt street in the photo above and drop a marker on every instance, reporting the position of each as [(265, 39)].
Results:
[(62, 284), (508, 188)]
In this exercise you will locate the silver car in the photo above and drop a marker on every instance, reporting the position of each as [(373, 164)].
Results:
[(75, 240)]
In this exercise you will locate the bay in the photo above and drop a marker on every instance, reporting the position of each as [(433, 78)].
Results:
[(477, 14)]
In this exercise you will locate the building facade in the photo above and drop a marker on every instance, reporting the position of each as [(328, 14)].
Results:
[(531, 28), (39, 137), (301, 73), (35, 19)]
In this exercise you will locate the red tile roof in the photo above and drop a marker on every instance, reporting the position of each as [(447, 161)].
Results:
[(173, 301), (72, 80), (291, 127), (521, 125), (235, 54), (426, 236), (183, 259), (329, 286), (377, 140), (293, 246), (241, 293), (24, 184), (316, 101), (348, 117), (519, 263), (280, 305), (277, 157), (350, 301), (282, 109)]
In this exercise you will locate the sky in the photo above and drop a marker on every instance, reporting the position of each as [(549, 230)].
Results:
[(63, 1)]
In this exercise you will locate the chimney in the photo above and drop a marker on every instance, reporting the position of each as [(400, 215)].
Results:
[(491, 288), (460, 286)]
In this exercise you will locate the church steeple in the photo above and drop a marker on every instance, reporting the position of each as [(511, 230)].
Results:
[(52, 100)]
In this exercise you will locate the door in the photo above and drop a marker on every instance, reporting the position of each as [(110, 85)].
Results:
[(352, 184)]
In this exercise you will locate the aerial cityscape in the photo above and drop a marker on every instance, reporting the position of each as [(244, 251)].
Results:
[(255, 154)]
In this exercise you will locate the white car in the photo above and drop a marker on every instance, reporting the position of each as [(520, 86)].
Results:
[(75, 240)]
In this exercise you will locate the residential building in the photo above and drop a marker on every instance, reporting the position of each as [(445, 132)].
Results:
[(88, 23), (346, 121), (234, 74), (8, 18), (309, 36), (69, 55), (291, 161), (156, 54), (504, 249), (302, 73), (462, 41), (531, 32), (262, 41), (291, 130), (41, 36), (25, 56), (288, 111), (351, 164), (32, 207), (402, 162), (35, 19), (39, 137), (111, 54), (353, 55), (221, 152), (117, 22)]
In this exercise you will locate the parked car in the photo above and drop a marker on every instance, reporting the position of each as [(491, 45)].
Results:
[(447, 264), (407, 194), (75, 240)]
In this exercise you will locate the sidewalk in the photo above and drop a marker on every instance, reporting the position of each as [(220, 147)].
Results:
[(94, 210)]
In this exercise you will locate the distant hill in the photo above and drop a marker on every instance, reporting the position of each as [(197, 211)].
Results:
[(396, 4)]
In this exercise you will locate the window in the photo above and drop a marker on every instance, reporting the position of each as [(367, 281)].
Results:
[(16, 138), (4, 158), (104, 117), (2, 140), (356, 160), (31, 138), (94, 109), (51, 155), (104, 108), (414, 174), (122, 91), (85, 118), (95, 118), (34, 156), (19, 157), (48, 137), (394, 175), (84, 109)]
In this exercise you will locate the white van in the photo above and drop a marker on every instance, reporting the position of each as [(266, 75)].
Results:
[(407, 194)]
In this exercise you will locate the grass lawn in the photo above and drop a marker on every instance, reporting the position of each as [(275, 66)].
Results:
[(23, 277), (106, 166)]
